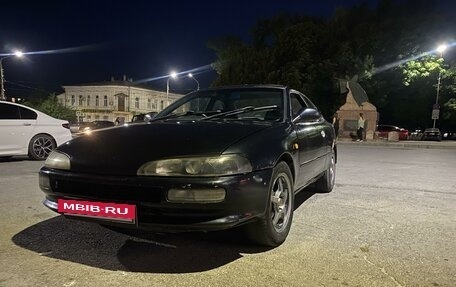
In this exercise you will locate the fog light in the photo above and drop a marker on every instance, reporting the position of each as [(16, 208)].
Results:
[(196, 195), (44, 182)]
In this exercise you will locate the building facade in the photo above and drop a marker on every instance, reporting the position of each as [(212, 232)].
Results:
[(114, 100)]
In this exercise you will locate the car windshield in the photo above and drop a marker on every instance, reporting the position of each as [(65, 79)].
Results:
[(263, 104)]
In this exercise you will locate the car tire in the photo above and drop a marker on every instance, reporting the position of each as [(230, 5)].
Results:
[(326, 182), (40, 147), (273, 228)]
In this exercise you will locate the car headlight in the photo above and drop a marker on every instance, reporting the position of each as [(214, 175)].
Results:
[(197, 166), (57, 160)]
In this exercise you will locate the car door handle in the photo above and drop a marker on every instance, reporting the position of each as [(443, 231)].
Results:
[(26, 124)]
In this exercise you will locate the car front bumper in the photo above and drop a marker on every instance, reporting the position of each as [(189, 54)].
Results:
[(245, 200)]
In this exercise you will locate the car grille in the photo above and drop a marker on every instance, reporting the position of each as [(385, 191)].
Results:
[(125, 192)]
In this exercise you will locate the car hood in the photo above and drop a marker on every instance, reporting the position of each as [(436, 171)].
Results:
[(122, 150)]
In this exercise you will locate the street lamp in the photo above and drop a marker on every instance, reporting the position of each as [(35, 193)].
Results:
[(18, 54), (172, 75), (190, 75), (435, 110)]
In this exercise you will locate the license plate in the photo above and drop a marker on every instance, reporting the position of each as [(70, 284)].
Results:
[(101, 210)]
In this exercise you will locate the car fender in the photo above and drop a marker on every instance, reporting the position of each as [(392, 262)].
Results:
[(265, 148)]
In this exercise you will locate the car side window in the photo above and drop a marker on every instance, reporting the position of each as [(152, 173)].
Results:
[(9, 112), (27, 114), (218, 106), (297, 104)]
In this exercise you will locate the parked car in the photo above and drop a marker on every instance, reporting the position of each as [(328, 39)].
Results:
[(95, 125), (432, 134), (384, 130), (448, 136), (416, 135), (214, 159), (78, 127), (26, 131), (143, 117)]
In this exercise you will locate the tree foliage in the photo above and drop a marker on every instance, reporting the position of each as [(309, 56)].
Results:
[(423, 67), (383, 47), (51, 106)]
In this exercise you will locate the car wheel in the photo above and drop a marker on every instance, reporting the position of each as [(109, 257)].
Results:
[(326, 182), (40, 147), (273, 228)]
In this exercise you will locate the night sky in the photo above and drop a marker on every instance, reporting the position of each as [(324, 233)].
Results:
[(139, 39)]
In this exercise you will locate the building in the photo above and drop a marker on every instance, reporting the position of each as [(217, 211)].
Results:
[(112, 100)]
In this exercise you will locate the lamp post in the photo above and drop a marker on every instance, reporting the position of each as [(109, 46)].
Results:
[(435, 110), (172, 75), (18, 54), (190, 75)]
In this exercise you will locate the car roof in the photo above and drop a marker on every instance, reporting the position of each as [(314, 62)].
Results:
[(20, 105), (101, 122), (40, 113), (269, 86), (387, 126)]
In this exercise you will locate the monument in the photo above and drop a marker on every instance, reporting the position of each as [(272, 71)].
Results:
[(357, 102)]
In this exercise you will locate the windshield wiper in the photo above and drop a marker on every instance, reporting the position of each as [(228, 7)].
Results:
[(177, 115), (240, 111)]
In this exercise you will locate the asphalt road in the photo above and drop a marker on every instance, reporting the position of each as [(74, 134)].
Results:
[(390, 221)]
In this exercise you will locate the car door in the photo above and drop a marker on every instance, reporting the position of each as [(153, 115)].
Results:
[(309, 142), (16, 126)]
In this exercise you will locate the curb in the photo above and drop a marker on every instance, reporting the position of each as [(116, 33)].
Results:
[(403, 144)]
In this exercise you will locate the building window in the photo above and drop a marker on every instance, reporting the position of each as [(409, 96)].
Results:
[(105, 118), (80, 100), (97, 101), (73, 100), (149, 104), (137, 103), (162, 105), (105, 101), (97, 117), (154, 106), (89, 118), (88, 100)]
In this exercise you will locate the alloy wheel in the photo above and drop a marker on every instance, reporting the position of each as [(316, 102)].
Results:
[(42, 147), (280, 202)]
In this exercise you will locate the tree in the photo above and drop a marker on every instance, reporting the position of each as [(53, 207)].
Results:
[(53, 108), (388, 48), (299, 52), (422, 67)]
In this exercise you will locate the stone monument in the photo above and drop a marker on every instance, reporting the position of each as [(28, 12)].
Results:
[(356, 102)]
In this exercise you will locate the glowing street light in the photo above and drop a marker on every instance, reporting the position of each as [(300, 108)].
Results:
[(441, 49), (190, 75), (171, 75), (435, 109), (18, 54)]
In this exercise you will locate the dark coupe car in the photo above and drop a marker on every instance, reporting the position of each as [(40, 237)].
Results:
[(431, 134), (95, 125), (214, 159)]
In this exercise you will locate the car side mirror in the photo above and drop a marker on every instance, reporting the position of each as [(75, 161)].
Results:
[(308, 115)]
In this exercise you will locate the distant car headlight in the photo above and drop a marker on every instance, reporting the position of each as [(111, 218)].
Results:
[(57, 160), (197, 166)]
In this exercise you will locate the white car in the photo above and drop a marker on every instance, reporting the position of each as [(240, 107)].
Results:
[(26, 131)]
